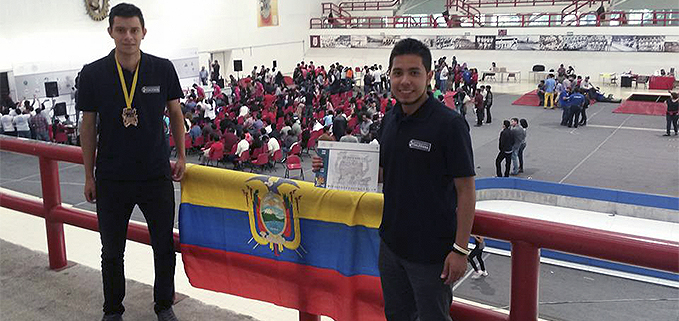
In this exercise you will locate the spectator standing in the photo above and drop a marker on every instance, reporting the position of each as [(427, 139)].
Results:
[(672, 114), (506, 144)]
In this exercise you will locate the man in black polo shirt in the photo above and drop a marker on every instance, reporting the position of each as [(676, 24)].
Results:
[(123, 97), (429, 195)]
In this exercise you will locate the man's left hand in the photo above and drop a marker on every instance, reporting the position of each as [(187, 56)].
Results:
[(453, 268), (179, 169)]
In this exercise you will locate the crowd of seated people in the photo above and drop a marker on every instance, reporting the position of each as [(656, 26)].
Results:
[(266, 114)]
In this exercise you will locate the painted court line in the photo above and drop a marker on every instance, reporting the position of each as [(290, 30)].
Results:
[(460, 281), (628, 128), (595, 150)]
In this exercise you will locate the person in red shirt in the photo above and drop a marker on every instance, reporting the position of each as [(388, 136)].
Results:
[(216, 149), (475, 80), (229, 139), (478, 104), (200, 92)]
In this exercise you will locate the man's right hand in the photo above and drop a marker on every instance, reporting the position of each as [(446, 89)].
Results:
[(316, 163), (90, 190)]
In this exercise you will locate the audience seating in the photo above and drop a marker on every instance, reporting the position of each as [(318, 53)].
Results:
[(293, 162)]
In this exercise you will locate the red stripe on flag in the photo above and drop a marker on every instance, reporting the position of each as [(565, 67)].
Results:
[(302, 287)]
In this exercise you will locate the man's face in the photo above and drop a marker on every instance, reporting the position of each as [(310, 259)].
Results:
[(409, 78), (513, 122), (127, 34)]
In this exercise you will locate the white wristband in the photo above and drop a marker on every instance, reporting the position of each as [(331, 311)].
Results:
[(461, 249)]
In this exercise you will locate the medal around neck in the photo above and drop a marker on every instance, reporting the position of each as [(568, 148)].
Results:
[(130, 117), (129, 113)]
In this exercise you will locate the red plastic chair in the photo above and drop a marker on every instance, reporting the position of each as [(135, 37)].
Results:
[(61, 137), (261, 161), (295, 149), (276, 157), (243, 160), (199, 142), (311, 144), (216, 156), (292, 163), (188, 142)]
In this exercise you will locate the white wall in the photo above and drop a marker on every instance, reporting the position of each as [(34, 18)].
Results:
[(588, 63), (47, 35)]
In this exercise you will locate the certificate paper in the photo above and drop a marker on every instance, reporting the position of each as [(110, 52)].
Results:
[(348, 166)]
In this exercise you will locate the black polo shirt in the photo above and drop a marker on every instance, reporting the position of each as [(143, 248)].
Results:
[(136, 152), (420, 155)]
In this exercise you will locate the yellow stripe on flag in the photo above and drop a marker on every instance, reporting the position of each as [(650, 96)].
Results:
[(213, 187)]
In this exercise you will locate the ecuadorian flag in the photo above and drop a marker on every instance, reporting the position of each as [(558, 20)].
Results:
[(282, 241)]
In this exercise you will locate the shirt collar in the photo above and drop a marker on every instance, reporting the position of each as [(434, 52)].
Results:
[(421, 114), (144, 63)]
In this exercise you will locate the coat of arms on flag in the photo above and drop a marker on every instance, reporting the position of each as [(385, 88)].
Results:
[(272, 213)]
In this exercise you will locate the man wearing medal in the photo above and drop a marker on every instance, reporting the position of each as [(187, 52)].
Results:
[(123, 97)]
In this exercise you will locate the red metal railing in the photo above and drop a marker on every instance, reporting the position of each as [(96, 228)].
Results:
[(337, 11), (520, 20), (369, 5), (527, 236)]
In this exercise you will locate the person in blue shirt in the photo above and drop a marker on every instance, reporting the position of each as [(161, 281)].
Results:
[(577, 101), (550, 86), (195, 130), (565, 104)]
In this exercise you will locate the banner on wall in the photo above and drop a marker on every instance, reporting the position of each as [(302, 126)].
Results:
[(485, 42), (524, 42), (267, 13), (455, 42), (330, 41)]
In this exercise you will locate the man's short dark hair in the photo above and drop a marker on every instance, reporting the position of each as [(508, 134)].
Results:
[(125, 10), (410, 46), (506, 123)]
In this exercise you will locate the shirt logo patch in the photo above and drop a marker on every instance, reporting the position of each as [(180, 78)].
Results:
[(150, 90), (419, 145)]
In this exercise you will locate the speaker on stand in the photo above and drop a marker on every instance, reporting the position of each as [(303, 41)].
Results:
[(52, 91), (238, 67)]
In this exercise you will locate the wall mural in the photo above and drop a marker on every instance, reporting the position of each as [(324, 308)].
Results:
[(523, 42)]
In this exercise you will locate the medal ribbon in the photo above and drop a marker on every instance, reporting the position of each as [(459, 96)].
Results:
[(130, 96)]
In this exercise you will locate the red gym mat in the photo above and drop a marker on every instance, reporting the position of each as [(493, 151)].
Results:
[(528, 99), (531, 99), (641, 108)]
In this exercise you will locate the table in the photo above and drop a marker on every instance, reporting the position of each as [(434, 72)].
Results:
[(517, 74), (626, 80), (658, 82), (604, 75), (542, 74)]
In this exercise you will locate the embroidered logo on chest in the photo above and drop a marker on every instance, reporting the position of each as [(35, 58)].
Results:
[(150, 90), (419, 145)]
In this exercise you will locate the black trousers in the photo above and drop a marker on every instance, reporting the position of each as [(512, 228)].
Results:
[(672, 120), (488, 118), (574, 115), (479, 116), (115, 201), (508, 163), (476, 253), (413, 291), (583, 118)]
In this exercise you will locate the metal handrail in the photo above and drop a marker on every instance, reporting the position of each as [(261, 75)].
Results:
[(521, 20), (369, 5), (527, 236)]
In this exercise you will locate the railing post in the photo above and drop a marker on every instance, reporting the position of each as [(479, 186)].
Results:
[(303, 316), (523, 303), (51, 197)]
